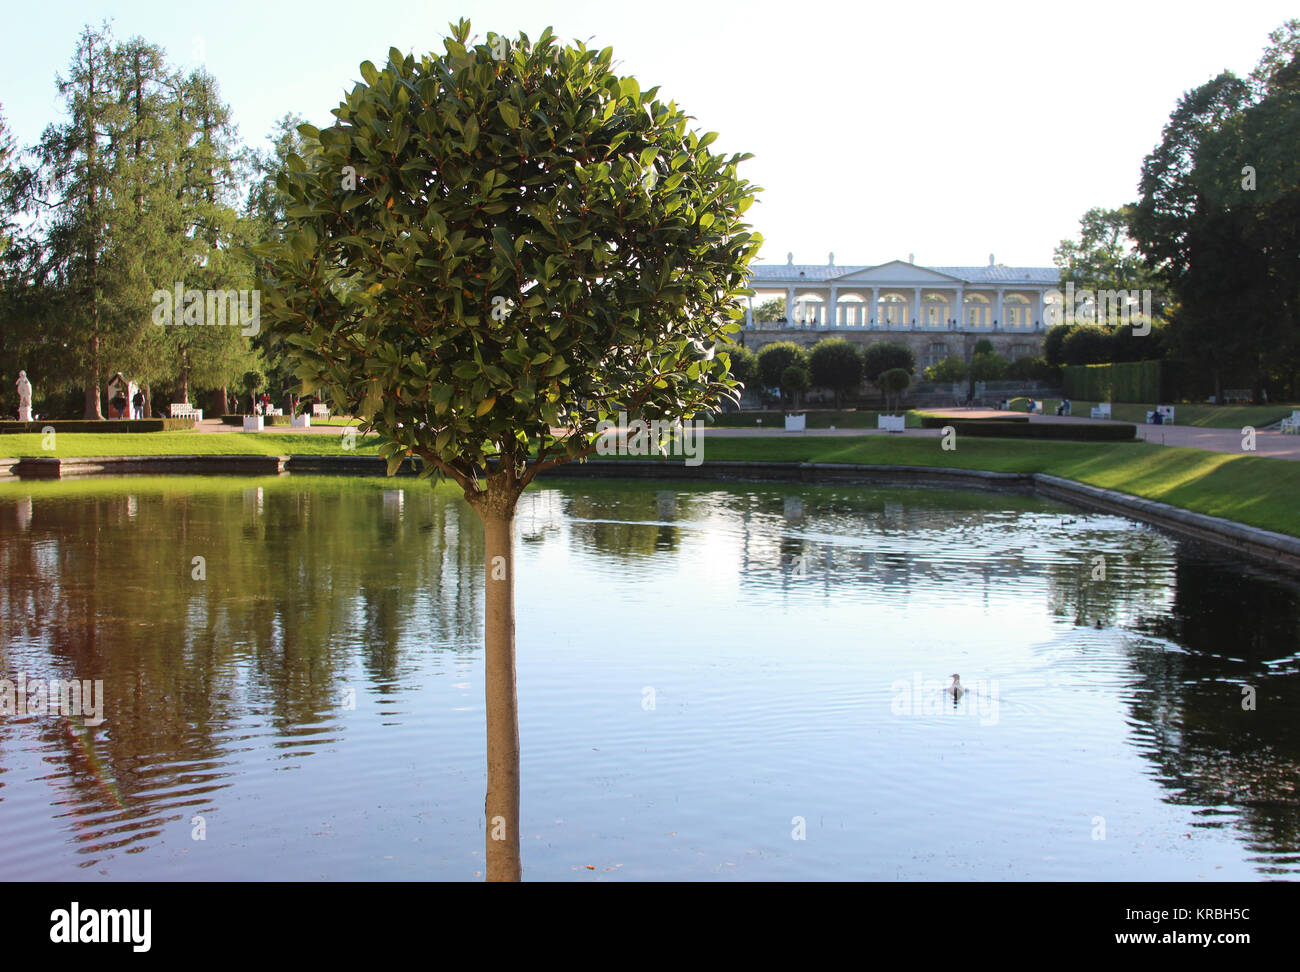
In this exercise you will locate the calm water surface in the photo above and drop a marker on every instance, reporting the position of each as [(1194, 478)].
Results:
[(705, 674)]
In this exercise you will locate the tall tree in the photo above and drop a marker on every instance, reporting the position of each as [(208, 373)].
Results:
[(533, 244), (77, 171)]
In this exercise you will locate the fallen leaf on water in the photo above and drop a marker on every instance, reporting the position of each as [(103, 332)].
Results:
[(591, 867)]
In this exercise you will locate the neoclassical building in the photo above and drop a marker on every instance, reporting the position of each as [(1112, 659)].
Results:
[(937, 311)]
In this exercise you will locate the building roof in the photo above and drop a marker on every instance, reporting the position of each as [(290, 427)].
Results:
[(825, 273)]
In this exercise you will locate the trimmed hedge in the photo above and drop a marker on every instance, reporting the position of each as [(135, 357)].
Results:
[(1130, 381), (939, 421), (267, 419), (1078, 432), (105, 425)]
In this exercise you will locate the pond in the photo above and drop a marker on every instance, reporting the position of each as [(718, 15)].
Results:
[(726, 682)]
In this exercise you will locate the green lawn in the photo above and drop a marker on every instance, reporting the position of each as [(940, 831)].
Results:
[(1250, 489), (1205, 416), (73, 445)]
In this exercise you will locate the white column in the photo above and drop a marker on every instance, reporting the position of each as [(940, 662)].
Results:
[(749, 313), (832, 316), (1038, 310), (916, 307), (961, 296), (872, 320), (789, 307), (1001, 324)]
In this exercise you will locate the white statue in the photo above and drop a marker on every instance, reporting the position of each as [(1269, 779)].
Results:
[(24, 398)]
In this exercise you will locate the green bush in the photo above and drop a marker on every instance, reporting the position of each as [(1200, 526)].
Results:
[(106, 425), (267, 419), (1077, 432), (939, 421), (1135, 381), (886, 356), (950, 369)]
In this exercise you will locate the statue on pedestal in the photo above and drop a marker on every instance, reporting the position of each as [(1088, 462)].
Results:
[(24, 398)]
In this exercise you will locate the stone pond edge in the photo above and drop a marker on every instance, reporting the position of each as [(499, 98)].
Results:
[(1254, 542)]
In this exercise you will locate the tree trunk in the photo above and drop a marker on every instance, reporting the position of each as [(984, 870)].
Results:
[(502, 804), (92, 409), (182, 387)]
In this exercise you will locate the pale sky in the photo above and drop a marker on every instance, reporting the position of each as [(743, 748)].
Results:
[(948, 130)]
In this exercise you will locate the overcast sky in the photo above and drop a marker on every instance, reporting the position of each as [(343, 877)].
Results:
[(948, 130)]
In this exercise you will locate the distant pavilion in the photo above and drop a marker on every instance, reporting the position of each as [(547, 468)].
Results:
[(938, 311)]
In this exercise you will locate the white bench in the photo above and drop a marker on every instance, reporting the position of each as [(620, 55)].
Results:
[(1166, 413), (796, 423), (320, 411), (890, 423), (1102, 411), (1291, 424), (185, 410)]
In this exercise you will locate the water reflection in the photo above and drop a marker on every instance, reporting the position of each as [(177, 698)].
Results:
[(283, 658)]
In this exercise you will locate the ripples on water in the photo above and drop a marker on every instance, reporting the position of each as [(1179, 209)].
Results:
[(703, 675)]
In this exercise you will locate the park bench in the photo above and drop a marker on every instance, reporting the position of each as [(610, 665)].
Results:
[(1237, 395), (1291, 424), (796, 423), (320, 411), (1166, 413), (890, 423), (1102, 411), (186, 411)]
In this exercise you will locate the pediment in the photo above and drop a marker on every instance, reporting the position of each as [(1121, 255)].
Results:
[(898, 272)]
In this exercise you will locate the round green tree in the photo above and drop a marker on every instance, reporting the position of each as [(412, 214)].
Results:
[(884, 356), (774, 358), (837, 365), (493, 250), (795, 380), (893, 383)]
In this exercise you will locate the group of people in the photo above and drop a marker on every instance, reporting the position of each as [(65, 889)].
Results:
[(262, 405)]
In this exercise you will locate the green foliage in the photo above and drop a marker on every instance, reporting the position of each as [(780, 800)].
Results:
[(835, 364), (1029, 369), (1137, 381), (1218, 217), (1070, 431), (886, 356), (893, 383), (795, 379), (950, 369), (533, 244), (770, 311), (983, 346), (930, 421), (987, 366), (1054, 342), (1086, 344), (744, 363), (775, 358), (1106, 258)]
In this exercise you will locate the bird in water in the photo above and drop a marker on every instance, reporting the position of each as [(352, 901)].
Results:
[(955, 689)]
